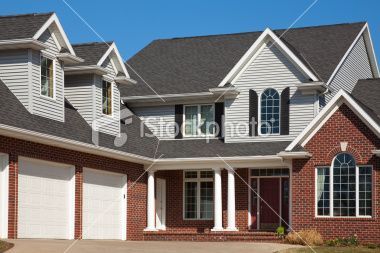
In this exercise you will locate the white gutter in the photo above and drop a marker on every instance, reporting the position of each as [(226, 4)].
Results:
[(69, 58), (85, 70), (124, 80), (376, 152), (294, 155), (22, 44), (166, 97), (47, 139), (217, 159)]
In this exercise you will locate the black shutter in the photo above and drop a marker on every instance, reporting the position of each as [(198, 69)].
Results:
[(285, 112), (219, 112), (178, 120), (253, 119)]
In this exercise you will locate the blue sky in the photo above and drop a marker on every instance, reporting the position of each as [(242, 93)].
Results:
[(133, 24)]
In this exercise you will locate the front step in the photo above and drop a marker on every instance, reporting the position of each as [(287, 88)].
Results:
[(257, 236)]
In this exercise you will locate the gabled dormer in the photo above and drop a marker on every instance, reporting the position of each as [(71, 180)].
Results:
[(32, 57), (92, 86)]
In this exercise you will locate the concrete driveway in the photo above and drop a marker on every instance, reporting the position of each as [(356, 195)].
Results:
[(94, 246)]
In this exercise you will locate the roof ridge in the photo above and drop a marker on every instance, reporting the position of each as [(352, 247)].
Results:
[(26, 14), (92, 43), (260, 31)]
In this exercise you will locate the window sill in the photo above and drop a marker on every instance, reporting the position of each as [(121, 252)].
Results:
[(54, 99), (356, 218)]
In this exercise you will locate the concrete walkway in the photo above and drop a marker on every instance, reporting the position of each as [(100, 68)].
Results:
[(94, 246)]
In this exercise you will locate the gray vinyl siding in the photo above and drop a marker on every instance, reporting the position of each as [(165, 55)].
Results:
[(79, 91), (52, 108), (156, 116), (270, 69), (356, 66), (14, 72), (109, 124)]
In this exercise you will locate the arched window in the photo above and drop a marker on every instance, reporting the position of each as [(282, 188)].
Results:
[(344, 188), (344, 182), (270, 112)]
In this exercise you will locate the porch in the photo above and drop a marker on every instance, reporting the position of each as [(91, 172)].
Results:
[(217, 204)]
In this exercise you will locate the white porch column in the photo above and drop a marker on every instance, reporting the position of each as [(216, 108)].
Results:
[(151, 212), (231, 225), (218, 222)]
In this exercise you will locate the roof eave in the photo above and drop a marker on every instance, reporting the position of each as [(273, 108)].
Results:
[(124, 80), (376, 152), (27, 43), (294, 154), (69, 58)]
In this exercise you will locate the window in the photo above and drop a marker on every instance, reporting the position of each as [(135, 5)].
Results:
[(199, 120), (344, 189), (270, 112), (107, 98), (47, 77), (199, 195)]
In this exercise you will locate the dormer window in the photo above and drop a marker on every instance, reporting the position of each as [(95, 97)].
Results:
[(270, 112), (47, 77), (107, 98), (199, 120)]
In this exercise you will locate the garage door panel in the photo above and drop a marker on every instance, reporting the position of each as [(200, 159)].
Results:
[(45, 200), (103, 205)]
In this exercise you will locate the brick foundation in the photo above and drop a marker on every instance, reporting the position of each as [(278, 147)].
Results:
[(136, 202), (343, 126)]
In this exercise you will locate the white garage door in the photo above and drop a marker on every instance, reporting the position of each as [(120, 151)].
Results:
[(45, 200), (104, 205)]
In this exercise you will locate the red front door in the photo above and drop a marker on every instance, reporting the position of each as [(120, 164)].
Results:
[(269, 203)]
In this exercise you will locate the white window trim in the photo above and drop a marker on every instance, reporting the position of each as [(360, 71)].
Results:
[(259, 114), (199, 133), (331, 188), (112, 98), (48, 56), (198, 180)]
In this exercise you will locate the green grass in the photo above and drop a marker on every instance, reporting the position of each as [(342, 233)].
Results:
[(4, 246), (332, 250)]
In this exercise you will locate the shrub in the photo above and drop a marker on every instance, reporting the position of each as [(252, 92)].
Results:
[(280, 231), (343, 242), (305, 237)]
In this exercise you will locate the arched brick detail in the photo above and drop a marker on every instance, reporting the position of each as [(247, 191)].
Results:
[(336, 150)]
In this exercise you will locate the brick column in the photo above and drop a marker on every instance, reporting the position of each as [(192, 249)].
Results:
[(78, 201), (13, 196)]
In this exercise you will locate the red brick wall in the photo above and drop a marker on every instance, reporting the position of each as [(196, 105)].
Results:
[(174, 201), (343, 126), (136, 202)]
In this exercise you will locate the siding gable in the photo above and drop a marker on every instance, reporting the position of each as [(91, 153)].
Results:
[(269, 68), (356, 66)]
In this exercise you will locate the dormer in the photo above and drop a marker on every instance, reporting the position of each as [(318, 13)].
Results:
[(92, 86), (32, 57)]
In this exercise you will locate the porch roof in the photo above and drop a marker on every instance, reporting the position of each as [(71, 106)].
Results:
[(215, 147)]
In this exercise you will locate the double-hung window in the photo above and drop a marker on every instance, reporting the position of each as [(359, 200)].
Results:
[(47, 77), (199, 120), (198, 195), (107, 98), (344, 189)]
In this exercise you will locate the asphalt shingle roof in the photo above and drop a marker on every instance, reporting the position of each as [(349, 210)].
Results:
[(90, 52), (13, 113), (22, 26), (196, 64), (367, 92), (214, 147)]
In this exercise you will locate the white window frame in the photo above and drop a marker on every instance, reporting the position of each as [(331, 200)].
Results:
[(331, 189), (198, 180), (112, 98), (259, 114), (199, 133), (52, 58)]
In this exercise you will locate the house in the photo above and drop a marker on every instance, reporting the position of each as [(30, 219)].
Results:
[(222, 137)]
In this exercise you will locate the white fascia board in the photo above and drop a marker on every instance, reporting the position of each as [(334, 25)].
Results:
[(113, 48), (21, 44), (293, 155), (376, 152), (69, 58), (256, 46), (340, 98), (54, 19), (371, 51), (23, 134), (167, 96)]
